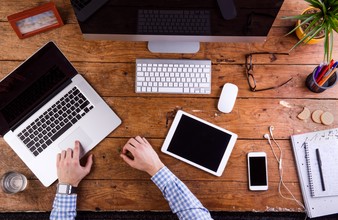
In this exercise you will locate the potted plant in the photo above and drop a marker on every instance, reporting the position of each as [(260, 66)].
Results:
[(320, 18)]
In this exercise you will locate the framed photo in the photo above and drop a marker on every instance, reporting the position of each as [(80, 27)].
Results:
[(35, 20)]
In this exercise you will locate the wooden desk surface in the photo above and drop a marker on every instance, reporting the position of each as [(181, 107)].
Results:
[(110, 67)]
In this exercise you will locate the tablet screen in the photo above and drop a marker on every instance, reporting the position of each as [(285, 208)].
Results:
[(200, 143)]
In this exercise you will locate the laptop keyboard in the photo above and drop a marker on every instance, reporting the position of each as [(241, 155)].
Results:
[(55, 121)]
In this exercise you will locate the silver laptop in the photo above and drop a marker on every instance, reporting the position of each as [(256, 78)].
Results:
[(45, 105)]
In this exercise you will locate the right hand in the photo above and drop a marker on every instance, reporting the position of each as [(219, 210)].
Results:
[(144, 156), (69, 169)]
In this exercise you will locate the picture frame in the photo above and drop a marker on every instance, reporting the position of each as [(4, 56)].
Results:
[(35, 20)]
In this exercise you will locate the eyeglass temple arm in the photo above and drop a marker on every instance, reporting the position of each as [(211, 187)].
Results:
[(274, 87)]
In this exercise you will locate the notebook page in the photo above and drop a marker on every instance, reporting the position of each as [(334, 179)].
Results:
[(328, 151)]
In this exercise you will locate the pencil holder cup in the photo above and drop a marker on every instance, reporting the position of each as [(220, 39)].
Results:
[(313, 86)]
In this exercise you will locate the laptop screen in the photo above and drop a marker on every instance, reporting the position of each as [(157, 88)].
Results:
[(32, 84)]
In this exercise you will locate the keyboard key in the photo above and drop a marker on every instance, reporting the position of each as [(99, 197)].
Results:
[(170, 90), (61, 131)]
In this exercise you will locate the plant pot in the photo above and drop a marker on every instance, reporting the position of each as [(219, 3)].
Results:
[(300, 32)]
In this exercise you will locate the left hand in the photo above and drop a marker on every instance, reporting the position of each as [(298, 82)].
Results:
[(144, 156)]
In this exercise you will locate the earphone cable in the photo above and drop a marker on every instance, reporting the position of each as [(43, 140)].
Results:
[(280, 169)]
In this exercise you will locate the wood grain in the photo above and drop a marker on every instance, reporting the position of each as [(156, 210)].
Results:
[(109, 66)]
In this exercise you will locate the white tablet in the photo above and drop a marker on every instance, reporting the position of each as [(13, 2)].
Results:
[(199, 143)]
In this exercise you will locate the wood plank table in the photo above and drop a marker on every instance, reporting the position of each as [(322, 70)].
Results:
[(110, 68)]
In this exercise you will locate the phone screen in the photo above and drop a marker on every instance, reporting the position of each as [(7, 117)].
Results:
[(257, 171)]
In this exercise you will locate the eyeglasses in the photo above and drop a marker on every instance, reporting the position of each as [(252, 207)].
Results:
[(249, 71)]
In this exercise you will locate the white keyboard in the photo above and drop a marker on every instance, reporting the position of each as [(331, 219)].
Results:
[(173, 76)]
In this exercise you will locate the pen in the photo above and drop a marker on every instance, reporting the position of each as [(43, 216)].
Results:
[(320, 169), (324, 70), (333, 67), (328, 74), (319, 68)]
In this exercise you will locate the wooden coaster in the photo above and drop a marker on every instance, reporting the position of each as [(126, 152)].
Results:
[(316, 116), (305, 114), (327, 118)]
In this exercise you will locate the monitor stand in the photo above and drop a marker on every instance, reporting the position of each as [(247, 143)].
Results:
[(173, 47)]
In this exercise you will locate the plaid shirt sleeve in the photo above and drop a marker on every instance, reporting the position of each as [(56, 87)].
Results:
[(64, 207), (181, 200)]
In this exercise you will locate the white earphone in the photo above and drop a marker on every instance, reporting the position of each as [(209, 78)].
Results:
[(271, 128), (267, 136)]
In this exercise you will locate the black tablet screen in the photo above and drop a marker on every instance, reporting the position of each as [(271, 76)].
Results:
[(199, 143)]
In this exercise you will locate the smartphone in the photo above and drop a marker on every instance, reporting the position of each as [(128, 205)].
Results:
[(257, 171)]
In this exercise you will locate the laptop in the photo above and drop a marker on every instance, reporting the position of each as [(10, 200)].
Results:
[(86, 8), (45, 105)]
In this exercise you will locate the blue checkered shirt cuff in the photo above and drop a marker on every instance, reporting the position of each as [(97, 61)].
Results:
[(64, 207), (181, 201)]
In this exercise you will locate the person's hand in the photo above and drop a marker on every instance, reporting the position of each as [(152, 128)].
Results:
[(143, 157), (69, 169)]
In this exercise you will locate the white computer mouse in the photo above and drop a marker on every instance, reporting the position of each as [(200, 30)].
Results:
[(227, 98)]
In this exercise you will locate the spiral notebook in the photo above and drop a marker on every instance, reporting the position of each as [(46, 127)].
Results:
[(317, 201)]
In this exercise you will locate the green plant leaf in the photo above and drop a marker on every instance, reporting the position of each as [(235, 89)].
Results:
[(311, 34), (299, 17), (326, 46), (306, 38), (314, 3), (303, 22), (331, 3), (333, 21), (331, 46), (312, 24), (322, 7), (334, 4)]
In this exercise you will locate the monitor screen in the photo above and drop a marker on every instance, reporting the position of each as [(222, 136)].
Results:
[(182, 20)]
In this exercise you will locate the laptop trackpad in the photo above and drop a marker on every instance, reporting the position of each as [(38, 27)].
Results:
[(79, 135)]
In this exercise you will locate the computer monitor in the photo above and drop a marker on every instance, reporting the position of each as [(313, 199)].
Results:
[(178, 26)]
